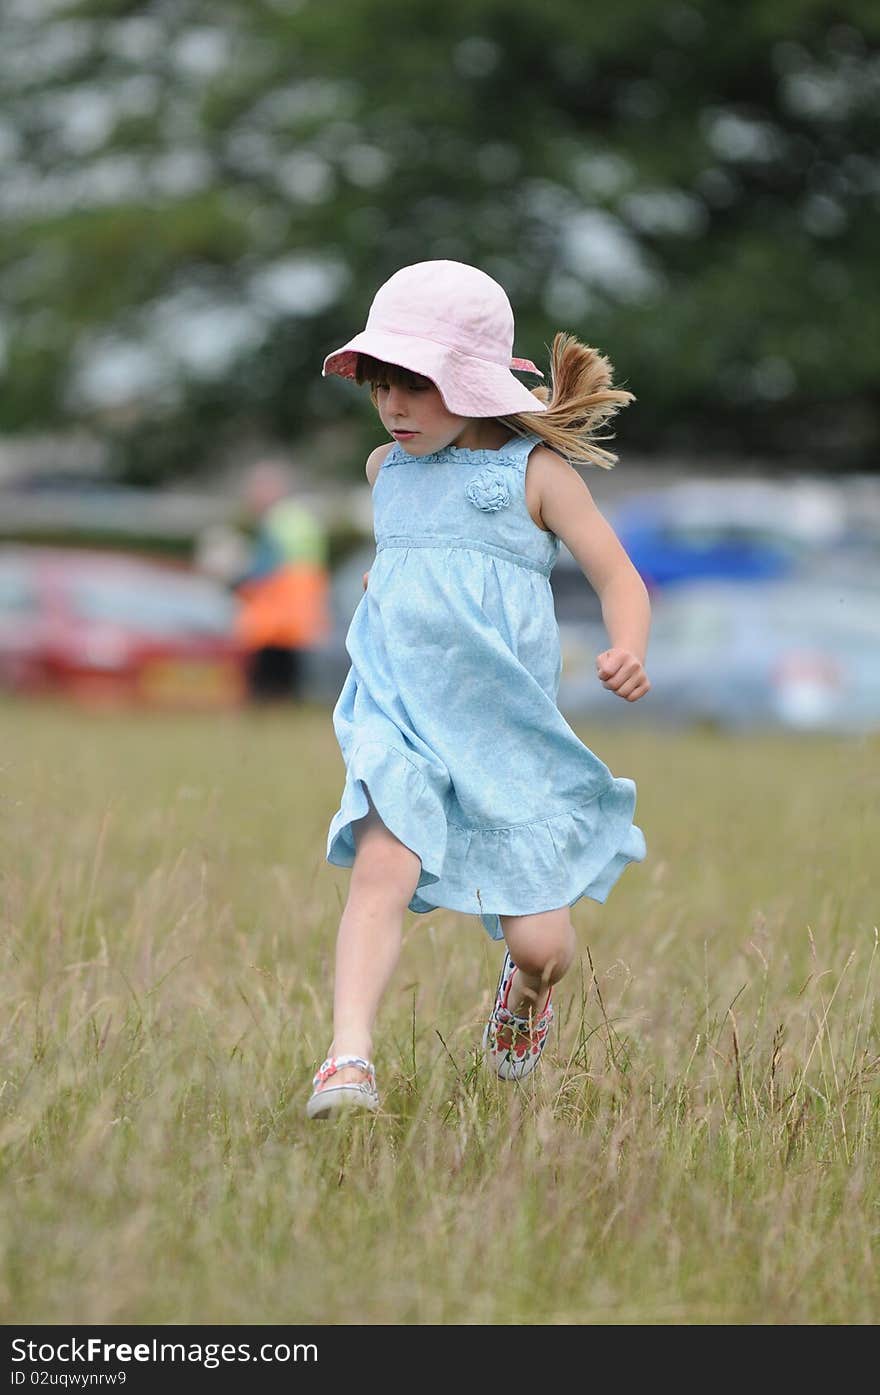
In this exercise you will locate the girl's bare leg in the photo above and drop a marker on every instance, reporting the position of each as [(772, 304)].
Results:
[(543, 947), (383, 879)]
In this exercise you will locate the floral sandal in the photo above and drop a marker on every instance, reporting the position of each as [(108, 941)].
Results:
[(329, 1101), (513, 1045)]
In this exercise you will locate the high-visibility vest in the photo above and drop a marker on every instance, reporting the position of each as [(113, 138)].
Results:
[(289, 608), (289, 605), (294, 533)]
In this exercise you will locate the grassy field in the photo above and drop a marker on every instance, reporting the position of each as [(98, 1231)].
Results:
[(701, 1144)]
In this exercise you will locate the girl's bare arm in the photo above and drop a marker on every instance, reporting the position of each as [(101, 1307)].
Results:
[(374, 465), (568, 509)]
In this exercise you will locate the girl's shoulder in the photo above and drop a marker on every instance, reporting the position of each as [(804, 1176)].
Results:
[(556, 491), (376, 459), (545, 463)]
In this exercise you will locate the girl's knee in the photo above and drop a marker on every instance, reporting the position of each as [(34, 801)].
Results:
[(382, 862), (542, 946)]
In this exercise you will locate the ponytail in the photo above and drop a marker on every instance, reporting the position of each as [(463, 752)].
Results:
[(581, 399)]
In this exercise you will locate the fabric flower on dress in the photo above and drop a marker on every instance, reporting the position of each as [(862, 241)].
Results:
[(488, 490)]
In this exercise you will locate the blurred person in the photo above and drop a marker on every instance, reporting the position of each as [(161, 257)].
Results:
[(465, 787), (284, 591)]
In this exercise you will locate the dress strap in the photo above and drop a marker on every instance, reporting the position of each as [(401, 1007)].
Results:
[(520, 448), (393, 456)]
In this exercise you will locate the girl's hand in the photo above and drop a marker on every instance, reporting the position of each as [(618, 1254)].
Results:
[(366, 574), (622, 673)]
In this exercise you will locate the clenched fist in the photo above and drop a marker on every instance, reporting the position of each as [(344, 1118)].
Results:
[(622, 673)]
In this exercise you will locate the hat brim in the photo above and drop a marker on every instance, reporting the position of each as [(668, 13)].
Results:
[(469, 387)]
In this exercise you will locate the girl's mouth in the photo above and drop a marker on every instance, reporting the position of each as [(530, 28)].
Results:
[(404, 435)]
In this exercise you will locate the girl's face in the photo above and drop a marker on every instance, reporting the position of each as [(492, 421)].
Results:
[(416, 417)]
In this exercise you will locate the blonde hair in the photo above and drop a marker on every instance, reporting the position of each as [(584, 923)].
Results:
[(580, 400)]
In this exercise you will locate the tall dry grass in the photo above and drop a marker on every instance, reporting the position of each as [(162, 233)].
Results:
[(700, 1145)]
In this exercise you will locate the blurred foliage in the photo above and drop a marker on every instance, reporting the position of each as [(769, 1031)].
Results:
[(201, 199), (342, 538)]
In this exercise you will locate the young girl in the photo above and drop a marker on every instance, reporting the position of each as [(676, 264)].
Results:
[(465, 787)]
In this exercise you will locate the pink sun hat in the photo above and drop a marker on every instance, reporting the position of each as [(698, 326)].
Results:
[(451, 323)]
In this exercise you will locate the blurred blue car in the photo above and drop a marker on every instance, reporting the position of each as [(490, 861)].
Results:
[(744, 529)]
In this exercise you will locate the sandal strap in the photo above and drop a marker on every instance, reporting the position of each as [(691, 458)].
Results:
[(332, 1064), (503, 995), (504, 1015)]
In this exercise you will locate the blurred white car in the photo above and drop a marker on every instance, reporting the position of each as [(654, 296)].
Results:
[(796, 652)]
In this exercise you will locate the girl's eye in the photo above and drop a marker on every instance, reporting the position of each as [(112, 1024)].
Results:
[(403, 387)]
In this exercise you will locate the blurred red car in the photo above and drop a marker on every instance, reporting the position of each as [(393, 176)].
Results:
[(109, 629)]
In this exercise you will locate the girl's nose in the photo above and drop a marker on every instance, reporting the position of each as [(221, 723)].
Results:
[(396, 401)]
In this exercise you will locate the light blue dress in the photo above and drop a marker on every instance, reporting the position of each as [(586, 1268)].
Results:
[(448, 714)]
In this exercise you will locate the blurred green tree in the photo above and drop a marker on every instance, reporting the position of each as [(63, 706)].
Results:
[(200, 200)]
